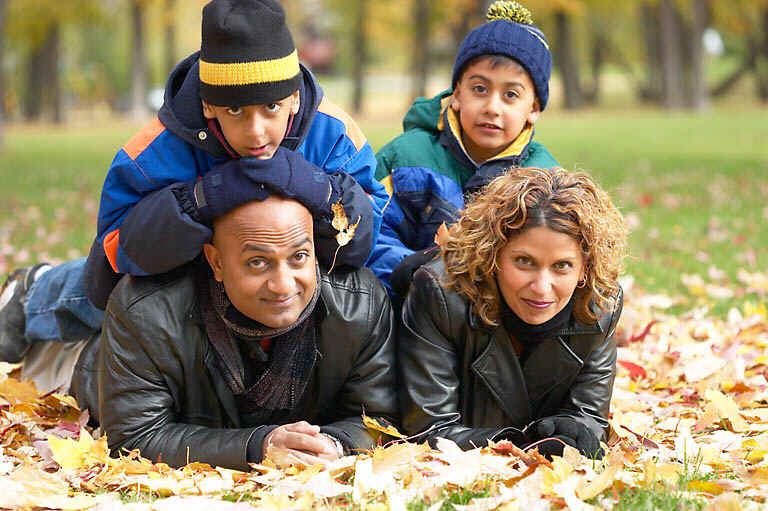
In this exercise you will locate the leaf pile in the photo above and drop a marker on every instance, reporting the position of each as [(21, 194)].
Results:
[(689, 430)]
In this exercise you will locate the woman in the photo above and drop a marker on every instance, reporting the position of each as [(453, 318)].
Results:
[(509, 335)]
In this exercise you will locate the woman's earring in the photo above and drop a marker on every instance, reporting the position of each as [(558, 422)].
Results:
[(582, 283)]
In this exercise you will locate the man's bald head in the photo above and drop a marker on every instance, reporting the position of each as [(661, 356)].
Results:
[(264, 255)]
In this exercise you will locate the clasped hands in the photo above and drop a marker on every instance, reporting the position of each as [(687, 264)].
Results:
[(300, 443), (556, 431)]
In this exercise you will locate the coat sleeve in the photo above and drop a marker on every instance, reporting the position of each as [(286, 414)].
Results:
[(389, 250), (336, 143), (138, 402), (590, 395), (370, 384), (429, 370)]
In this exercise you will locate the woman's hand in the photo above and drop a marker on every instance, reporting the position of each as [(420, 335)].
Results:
[(299, 443), (566, 430)]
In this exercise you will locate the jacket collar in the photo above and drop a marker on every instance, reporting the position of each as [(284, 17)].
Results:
[(450, 137), (522, 391), (182, 112)]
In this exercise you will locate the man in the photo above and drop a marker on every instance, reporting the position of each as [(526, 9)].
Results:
[(258, 349)]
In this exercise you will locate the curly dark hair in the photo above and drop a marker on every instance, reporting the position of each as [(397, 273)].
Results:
[(567, 202)]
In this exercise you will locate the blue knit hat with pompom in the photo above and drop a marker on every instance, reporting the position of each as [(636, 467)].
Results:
[(510, 31)]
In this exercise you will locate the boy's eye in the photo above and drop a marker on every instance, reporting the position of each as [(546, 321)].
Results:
[(479, 89), (512, 94), (234, 110), (272, 107)]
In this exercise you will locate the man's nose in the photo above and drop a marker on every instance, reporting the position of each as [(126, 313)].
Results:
[(281, 281)]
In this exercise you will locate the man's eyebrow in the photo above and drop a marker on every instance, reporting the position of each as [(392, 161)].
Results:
[(260, 248)]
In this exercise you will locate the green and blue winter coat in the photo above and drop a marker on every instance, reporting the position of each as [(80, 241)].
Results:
[(428, 173)]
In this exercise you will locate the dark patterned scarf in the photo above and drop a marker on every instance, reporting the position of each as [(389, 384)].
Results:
[(293, 351)]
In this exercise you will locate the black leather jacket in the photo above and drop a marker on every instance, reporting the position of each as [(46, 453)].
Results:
[(155, 385), (463, 379)]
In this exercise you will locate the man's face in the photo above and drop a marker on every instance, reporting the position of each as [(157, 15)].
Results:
[(254, 130), (264, 255), (494, 104)]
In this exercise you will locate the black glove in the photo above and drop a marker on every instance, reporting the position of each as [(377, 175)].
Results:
[(238, 181), (402, 275), (569, 431)]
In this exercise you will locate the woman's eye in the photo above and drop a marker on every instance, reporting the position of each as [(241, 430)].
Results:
[(523, 260), (272, 107), (563, 265), (234, 110)]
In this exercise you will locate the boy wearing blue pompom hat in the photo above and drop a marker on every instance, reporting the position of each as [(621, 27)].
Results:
[(456, 142)]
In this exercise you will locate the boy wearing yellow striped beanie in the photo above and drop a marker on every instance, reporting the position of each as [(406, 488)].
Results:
[(244, 95)]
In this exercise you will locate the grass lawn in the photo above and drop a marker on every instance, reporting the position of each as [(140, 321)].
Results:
[(693, 187)]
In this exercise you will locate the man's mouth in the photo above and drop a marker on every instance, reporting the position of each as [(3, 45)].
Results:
[(280, 302)]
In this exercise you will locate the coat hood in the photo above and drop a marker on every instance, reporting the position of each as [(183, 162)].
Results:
[(182, 110)]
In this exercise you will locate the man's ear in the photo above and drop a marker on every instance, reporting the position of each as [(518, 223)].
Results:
[(296, 103), (213, 256), (535, 112), (208, 110)]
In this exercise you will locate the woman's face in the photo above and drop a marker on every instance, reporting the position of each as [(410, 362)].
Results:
[(539, 270)]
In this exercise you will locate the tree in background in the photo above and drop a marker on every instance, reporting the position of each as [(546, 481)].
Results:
[(36, 25), (139, 73), (748, 21), (3, 111)]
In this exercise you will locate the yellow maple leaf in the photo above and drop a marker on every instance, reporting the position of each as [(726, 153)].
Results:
[(598, 484), (728, 409), (382, 426), (340, 221), (346, 230), (83, 453)]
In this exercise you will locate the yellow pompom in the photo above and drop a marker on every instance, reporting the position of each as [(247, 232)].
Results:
[(510, 11)]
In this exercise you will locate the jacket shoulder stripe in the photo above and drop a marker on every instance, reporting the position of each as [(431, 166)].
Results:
[(111, 242), (353, 131), (141, 140)]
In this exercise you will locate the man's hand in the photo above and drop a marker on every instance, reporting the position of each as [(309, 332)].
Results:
[(299, 442)]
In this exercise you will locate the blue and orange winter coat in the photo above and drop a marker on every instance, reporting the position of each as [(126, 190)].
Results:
[(146, 223), (428, 174)]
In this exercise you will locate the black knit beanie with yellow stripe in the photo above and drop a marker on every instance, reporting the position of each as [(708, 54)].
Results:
[(247, 55)]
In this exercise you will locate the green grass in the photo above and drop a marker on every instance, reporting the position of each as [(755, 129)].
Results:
[(693, 186)]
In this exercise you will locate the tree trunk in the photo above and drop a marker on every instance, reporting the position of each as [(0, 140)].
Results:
[(600, 50), (420, 51), (671, 56), (33, 93), (360, 56), (699, 96), (170, 36), (569, 63), (649, 16), (139, 110), (3, 110), (52, 59), (761, 60)]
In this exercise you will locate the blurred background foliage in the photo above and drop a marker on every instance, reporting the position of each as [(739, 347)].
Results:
[(111, 56)]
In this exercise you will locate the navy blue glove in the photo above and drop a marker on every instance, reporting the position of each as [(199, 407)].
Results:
[(238, 181), (289, 174), (570, 431)]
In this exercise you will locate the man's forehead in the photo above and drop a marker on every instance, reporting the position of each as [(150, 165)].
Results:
[(274, 221)]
